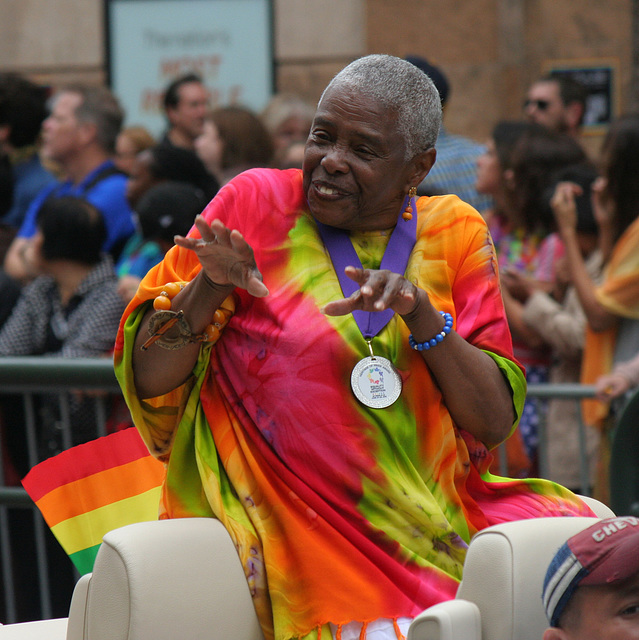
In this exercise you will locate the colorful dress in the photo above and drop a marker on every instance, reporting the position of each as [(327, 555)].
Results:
[(340, 513)]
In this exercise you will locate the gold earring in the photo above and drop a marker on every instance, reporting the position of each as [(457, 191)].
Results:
[(409, 204)]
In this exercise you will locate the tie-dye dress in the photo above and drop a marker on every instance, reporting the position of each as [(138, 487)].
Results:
[(340, 513)]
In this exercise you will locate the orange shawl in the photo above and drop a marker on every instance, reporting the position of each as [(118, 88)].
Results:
[(619, 294)]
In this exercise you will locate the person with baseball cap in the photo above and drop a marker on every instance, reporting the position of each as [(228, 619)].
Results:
[(591, 589)]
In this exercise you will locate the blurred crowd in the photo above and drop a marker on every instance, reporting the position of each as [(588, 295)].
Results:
[(88, 206)]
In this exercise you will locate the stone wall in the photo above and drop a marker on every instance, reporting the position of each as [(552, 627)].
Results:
[(53, 41), (314, 40), (490, 49)]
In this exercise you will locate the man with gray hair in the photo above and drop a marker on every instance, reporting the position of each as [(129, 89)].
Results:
[(79, 137)]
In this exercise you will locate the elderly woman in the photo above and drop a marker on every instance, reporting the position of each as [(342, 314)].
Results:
[(328, 362)]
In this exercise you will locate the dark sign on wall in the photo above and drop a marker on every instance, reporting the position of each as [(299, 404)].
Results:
[(600, 79)]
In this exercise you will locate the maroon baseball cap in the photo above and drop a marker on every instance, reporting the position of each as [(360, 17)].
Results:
[(604, 553)]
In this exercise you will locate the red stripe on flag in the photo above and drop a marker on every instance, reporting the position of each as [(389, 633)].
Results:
[(85, 460)]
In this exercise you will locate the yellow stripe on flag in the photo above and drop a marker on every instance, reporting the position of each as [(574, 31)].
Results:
[(100, 489), (88, 529)]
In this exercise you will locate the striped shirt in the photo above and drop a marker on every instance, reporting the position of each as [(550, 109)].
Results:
[(455, 171)]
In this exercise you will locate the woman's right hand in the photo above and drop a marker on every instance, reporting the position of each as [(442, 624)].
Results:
[(227, 262), (226, 257)]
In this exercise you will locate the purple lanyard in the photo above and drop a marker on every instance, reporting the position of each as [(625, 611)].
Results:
[(343, 254)]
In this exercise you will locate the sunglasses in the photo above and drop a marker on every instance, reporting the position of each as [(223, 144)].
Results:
[(541, 105)]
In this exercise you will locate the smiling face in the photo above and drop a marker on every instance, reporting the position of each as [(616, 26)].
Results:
[(355, 174)]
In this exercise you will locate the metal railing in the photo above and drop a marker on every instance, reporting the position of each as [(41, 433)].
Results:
[(28, 377), (576, 392), (24, 380)]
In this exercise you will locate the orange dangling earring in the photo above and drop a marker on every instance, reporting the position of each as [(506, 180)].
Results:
[(409, 204)]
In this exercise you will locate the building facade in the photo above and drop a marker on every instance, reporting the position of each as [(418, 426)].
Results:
[(491, 50)]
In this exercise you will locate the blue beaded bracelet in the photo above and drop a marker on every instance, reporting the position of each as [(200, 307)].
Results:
[(424, 346)]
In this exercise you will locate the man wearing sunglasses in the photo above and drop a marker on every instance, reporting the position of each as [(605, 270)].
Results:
[(556, 102)]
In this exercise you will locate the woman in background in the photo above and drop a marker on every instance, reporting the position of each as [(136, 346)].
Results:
[(611, 308), (129, 143), (70, 310), (234, 140), (165, 210), (287, 117), (527, 158)]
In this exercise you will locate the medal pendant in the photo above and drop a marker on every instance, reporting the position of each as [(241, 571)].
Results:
[(375, 382)]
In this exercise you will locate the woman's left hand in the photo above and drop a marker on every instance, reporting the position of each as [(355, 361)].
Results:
[(473, 388), (378, 290)]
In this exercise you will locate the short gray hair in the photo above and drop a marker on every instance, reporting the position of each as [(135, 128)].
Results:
[(401, 87), (100, 107)]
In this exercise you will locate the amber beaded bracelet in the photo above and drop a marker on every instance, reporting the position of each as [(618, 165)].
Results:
[(165, 319)]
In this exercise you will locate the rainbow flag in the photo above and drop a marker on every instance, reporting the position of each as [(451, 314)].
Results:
[(96, 487)]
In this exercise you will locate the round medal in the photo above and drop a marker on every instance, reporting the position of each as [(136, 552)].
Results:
[(375, 382)]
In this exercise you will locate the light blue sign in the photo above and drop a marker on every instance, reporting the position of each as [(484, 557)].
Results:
[(151, 42)]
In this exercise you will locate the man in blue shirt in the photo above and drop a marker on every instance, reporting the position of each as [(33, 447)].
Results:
[(79, 136)]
